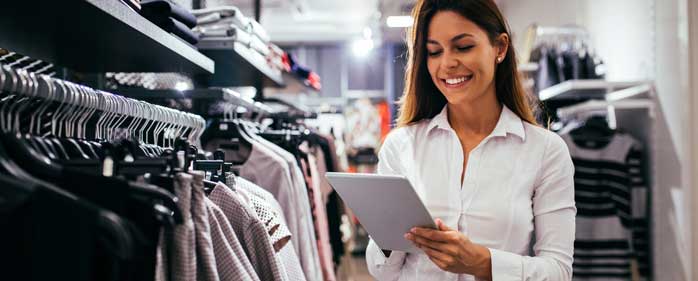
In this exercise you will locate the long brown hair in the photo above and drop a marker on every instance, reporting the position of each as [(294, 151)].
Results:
[(420, 99)]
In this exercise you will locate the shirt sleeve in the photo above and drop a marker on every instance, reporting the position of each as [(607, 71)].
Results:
[(554, 215), (380, 266)]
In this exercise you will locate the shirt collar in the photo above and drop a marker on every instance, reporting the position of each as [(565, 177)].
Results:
[(508, 123)]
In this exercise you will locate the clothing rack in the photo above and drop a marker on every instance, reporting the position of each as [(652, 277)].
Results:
[(628, 98), (78, 105), (630, 111)]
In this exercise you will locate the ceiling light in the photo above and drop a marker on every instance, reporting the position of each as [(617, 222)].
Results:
[(362, 47), (399, 21)]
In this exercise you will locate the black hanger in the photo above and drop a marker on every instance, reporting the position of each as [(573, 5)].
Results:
[(88, 149), (57, 146), (41, 147), (45, 146), (594, 127), (105, 191), (29, 159), (231, 131), (97, 147), (595, 132), (72, 148)]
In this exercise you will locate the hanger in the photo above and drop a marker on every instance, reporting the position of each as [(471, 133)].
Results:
[(69, 125), (594, 131), (231, 130)]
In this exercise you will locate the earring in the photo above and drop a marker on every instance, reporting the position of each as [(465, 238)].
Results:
[(499, 59)]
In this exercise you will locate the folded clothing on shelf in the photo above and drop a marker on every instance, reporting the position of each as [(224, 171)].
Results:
[(260, 46), (259, 31), (309, 77), (165, 8), (222, 14), (230, 15), (227, 30), (225, 34), (177, 28)]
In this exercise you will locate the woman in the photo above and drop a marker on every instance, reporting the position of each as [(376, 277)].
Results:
[(469, 144)]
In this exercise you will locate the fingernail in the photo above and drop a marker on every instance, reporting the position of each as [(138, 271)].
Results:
[(413, 230), (407, 236)]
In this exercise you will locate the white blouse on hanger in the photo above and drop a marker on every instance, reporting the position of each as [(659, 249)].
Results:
[(518, 179)]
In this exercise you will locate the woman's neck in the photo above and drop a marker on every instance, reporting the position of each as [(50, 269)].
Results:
[(475, 117)]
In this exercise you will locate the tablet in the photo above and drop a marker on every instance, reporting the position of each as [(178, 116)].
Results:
[(387, 207)]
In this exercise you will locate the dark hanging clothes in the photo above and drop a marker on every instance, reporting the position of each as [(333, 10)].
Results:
[(556, 66), (54, 234)]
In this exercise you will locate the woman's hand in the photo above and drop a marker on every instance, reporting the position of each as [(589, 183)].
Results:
[(452, 251)]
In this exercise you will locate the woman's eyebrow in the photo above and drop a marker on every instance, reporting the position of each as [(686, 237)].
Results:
[(455, 38), (461, 36)]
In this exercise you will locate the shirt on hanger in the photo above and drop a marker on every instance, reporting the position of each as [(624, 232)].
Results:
[(268, 170), (320, 215), (519, 178), (611, 197), (205, 258), (250, 230), (231, 261), (176, 258), (306, 245), (265, 205), (288, 255)]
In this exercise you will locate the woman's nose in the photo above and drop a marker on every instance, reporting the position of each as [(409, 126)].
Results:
[(449, 60)]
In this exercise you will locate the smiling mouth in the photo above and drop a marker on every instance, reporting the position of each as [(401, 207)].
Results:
[(458, 81)]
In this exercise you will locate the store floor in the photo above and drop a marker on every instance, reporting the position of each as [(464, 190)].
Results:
[(353, 268)]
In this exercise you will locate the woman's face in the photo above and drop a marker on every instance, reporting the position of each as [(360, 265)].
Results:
[(460, 58)]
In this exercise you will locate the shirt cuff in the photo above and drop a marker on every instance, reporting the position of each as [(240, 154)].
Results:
[(379, 259), (506, 266)]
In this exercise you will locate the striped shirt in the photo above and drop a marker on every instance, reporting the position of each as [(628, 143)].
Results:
[(611, 196)]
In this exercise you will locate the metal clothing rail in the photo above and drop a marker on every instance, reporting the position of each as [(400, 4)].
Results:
[(585, 88), (637, 97), (561, 30)]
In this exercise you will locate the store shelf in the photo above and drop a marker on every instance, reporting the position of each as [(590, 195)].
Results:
[(585, 89), (293, 85), (596, 105), (528, 67), (95, 36), (237, 65)]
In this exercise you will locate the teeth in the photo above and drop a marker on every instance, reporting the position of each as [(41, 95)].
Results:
[(456, 80)]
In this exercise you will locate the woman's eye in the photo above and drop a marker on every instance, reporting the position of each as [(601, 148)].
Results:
[(434, 53), (465, 48)]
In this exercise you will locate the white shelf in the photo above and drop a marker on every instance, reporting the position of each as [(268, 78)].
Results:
[(528, 67), (585, 89), (597, 105)]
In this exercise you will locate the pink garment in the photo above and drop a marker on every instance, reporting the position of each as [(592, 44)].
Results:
[(321, 224)]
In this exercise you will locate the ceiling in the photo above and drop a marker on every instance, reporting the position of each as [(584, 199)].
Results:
[(292, 22)]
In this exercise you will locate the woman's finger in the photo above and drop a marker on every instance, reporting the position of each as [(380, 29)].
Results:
[(438, 255), (424, 240), (432, 234), (439, 263), (439, 246)]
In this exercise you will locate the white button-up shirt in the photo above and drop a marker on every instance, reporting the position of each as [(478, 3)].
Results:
[(518, 184)]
